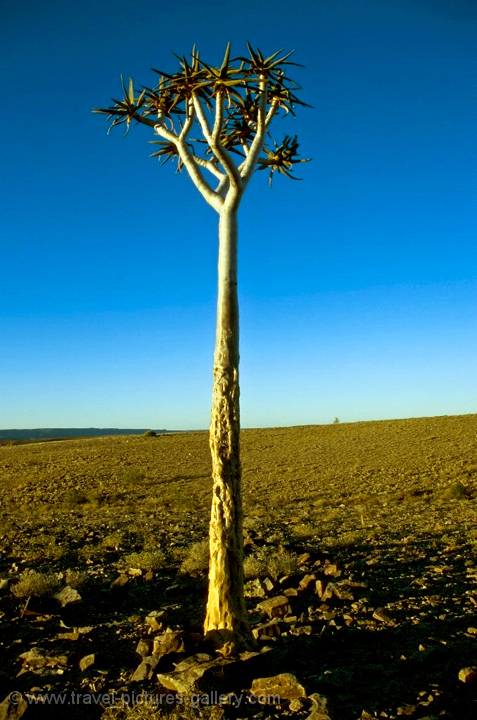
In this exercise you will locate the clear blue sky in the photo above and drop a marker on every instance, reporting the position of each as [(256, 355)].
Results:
[(358, 285)]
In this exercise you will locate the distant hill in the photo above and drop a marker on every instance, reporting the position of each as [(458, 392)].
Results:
[(60, 433)]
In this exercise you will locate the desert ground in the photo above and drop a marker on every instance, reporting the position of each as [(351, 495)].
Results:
[(365, 532)]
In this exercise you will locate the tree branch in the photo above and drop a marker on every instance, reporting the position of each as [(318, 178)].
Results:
[(219, 152), (219, 116), (263, 121), (189, 121), (173, 138), (192, 167)]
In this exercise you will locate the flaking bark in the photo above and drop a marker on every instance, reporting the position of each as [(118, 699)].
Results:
[(226, 621)]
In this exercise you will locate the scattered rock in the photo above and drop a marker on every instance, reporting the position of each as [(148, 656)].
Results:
[(285, 686), (120, 581), (406, 710), (67, 596), (342, 590), (87, 661), (290, 592), (381, 615), (201, 671), (254, 588), (306, 582), (267, 585), (277, 606), (144, 648), (145, 669), (73, 635), (329, 592), (34, 659), (187, 676), (468, 675), (267, 630), (320, 587), (135, 572), (172, 641), (156, 620), (331, 569), (301, 630)]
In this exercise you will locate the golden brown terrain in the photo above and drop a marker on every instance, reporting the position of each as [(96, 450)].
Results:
[(381, 515)]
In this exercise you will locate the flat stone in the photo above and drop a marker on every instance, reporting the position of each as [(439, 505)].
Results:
[(331, 569), (144, 671), (34, 658), (120, 581), (186, 678), (67, 596), (381, 615), (268, 585), (320, 587), (87, 661), (267, 630), (156, 620), (201, 671), (254, 589), (284, 686), (290, 592), (329, 592), (73, 635), (277, 606), (144, 648), (135, 572), (301, 630), (306, 582), (172, 641), (342, 590)]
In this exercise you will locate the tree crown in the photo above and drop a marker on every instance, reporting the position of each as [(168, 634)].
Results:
[(231, 104)]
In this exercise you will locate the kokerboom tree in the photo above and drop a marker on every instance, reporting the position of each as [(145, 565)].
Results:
[(230, 107)]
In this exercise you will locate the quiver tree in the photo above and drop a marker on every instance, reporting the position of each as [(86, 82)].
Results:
[(231, 108)]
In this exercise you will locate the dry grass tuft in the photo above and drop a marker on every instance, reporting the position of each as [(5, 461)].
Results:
[(35, 584)]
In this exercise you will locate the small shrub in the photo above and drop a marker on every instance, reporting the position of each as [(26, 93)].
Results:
[(304, 531), (145, 560), (148, 710), (150, 433), (131, 476), (112, 541), (90, 552), (196, 560), (37, 584), (457, 491), (270, 563), (76, 497), (75, 578)]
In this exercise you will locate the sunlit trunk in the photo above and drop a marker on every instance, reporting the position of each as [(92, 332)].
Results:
[(226, 620)]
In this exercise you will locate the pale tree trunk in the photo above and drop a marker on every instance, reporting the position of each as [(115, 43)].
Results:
[(226, 620)]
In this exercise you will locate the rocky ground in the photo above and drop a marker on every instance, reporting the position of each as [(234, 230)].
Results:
[(360, 562)]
